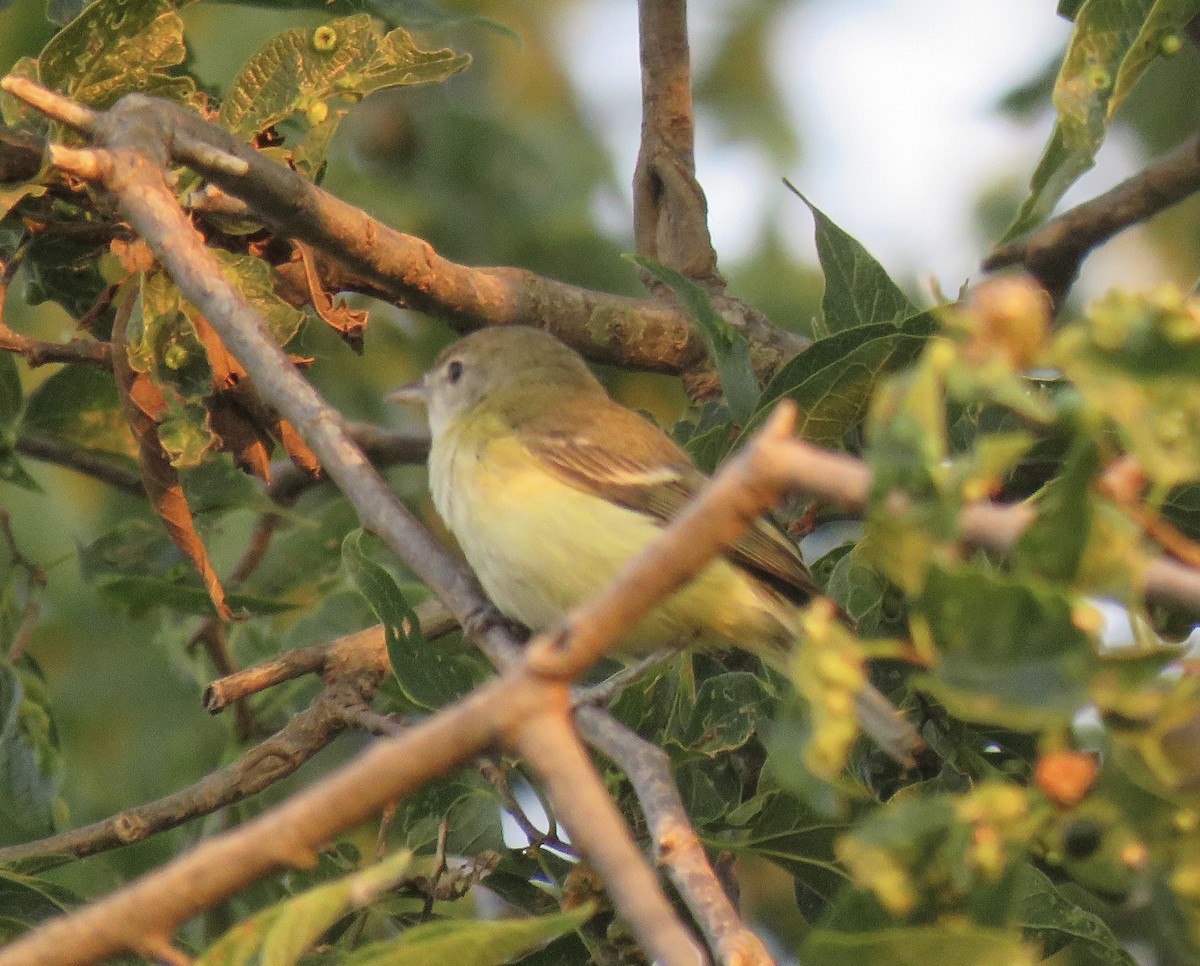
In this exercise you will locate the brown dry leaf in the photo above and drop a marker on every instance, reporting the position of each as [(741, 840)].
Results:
[(140, 400), (297, 450), (345, 321), (134, 256), (227, 371), (241, 434)]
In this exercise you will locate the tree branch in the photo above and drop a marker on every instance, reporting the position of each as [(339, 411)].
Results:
[(258, 768), (82, 461), (675, 841), (1055, 251), (670, 213)]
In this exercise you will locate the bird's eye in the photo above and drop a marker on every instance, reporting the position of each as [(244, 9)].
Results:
[(454, 371)]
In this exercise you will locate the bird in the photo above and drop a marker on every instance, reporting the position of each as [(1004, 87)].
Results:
[(550, 486)]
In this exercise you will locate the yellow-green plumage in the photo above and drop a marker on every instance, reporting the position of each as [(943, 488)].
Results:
[(550, 487)]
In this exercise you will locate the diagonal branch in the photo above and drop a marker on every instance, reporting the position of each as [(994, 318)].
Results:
[(1055, 251)]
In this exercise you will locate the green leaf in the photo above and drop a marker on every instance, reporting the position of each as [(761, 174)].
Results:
[(13, 471), (956, 942), (78, 405), (429, 675), (137, 567), (301, 69), (782, 828), (1112, 44), (64, 269), (25, 901), (116, 47), (281, 934), (13, 195), (1058, 924), (857, 289), (1053, 545), (30, 766), (253, 278), (728, 712), (10, 392), (469, 942), (1010, 653), (727, 346), (832, 381)]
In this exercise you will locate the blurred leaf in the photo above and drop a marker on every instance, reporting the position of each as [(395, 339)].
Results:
[(137, 567), (282, 934), (429, 675), (738, 85), (1010, 653), (1052, 546), (10, 392), (13, 195), (30, 765), (25, 901), (1182, 509), (857, 289), (13, 471), (915, 946), (469, 942), (727, 346), (832, 381), (431, 15), (115, 47), (1113, 43), (300, 69), (1048, 917), (78, 405), (217, 486), (1136, 360)]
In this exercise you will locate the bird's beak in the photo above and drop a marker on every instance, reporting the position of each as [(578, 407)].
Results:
[(410, 394)]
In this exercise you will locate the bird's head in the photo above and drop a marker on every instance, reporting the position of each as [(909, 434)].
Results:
[(508, 368)]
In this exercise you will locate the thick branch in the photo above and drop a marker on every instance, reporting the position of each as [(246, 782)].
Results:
[(670, 220), (1055, 251)]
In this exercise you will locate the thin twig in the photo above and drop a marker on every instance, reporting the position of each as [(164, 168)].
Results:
[(675, 841), (82, 461), (255, 769), (1054, 252)]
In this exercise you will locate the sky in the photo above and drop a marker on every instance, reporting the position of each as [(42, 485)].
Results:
[(893, 100)]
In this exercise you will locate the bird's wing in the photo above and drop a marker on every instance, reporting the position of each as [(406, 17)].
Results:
[(621, 457)]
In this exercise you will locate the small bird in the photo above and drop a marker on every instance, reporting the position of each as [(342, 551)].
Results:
[(550, 486)]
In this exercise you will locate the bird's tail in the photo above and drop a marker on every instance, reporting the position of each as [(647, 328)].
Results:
[(884, 724)]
